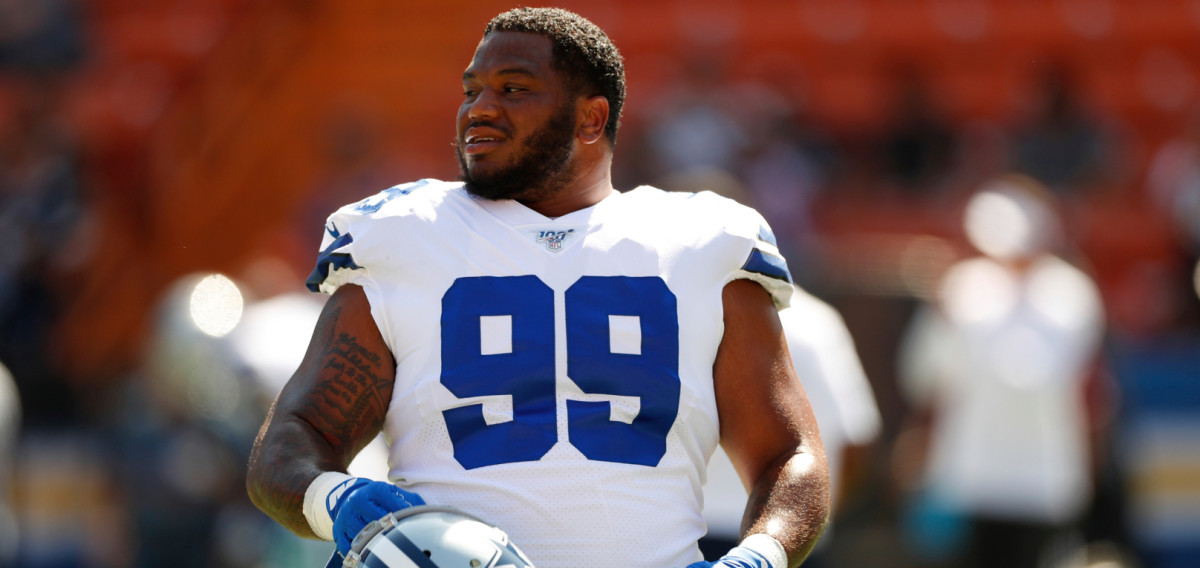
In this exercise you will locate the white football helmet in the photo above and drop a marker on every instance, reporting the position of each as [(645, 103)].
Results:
[(433, 537)]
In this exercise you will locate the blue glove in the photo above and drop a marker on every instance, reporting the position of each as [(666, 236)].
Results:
[(738, 557), (362, 501)]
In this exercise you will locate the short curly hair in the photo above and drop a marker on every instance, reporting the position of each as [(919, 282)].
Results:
[(582, 52)]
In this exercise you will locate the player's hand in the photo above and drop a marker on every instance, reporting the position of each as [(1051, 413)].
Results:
[(359, 501)]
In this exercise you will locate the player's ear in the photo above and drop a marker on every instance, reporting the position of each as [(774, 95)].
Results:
[(593, 118)]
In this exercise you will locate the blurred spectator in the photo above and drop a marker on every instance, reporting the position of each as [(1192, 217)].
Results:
[(1060, 143), (1158, 444), (176, 442), (10, 424), (355, 163), (69, 510), (917, 143), (180, 428), (789, 161), (696, 125), (39, 36), (1173, 180), (997, 371), (981, 153), (41, 203), (1156, 366), (827, 364), (715, 127)]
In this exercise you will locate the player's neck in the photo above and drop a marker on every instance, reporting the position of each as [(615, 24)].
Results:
[(583, 191)]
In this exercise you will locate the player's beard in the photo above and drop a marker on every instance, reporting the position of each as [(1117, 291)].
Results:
[(538, 172)]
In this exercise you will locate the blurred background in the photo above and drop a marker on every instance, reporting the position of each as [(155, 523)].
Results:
[(166, 167)]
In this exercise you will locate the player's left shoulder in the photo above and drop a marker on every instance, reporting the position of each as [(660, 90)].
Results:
[(699, 210)]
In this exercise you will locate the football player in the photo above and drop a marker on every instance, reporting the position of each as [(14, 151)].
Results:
[(543, 351)]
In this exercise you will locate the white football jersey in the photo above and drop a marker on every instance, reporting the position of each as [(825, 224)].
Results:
[(554, 376)]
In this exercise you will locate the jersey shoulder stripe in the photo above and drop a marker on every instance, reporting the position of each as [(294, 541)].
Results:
[(767, 264), (347, 227), (763, 262), (330, 260)]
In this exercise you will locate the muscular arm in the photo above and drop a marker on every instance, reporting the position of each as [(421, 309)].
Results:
[(330, 409), (767, 427)]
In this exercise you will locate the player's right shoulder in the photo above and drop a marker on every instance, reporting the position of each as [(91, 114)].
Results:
[(401, 199), (363, 234)]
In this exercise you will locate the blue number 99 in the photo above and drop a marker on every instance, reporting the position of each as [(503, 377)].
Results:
[(622, 339)]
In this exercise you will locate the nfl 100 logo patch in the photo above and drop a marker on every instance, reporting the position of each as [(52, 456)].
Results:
[(553, 239)]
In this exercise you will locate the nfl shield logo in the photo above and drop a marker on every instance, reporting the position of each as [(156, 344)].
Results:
[(553, 239)]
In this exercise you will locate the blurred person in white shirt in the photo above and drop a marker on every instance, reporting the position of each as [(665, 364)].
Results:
[(997, 365)]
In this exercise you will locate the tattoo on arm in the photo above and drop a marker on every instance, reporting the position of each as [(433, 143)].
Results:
[(351, 398), (330, 409)]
